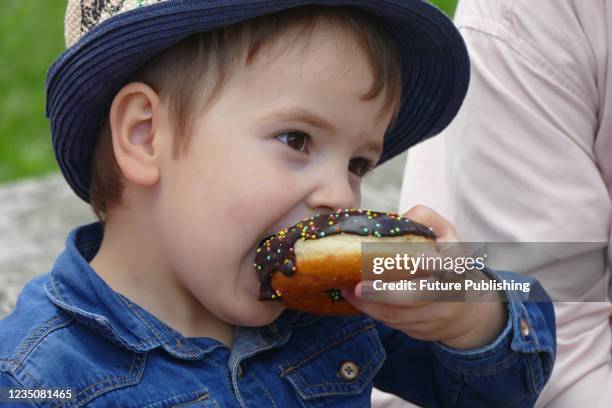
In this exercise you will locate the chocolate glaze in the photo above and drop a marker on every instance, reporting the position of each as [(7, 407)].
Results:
[(276, 253)]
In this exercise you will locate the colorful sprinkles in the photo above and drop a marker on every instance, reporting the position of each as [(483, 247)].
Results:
[(334, 294), (276, 253)]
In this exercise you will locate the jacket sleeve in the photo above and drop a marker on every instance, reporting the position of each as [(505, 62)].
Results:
[(509, 372)]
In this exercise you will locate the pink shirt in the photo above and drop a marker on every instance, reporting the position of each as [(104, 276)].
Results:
[(529, 158)]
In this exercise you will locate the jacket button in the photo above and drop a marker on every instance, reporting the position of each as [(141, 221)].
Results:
[(239, 371), (524, 328), (349, 370)]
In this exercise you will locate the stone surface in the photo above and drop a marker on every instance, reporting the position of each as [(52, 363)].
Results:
[(36, 216)]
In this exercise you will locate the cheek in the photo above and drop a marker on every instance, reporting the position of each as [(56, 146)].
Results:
[(257, 315), (229, 298), (210, 216), (357, 192), (250, 312), (256, 198)]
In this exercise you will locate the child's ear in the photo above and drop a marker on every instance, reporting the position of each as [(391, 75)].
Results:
[(134, 121)]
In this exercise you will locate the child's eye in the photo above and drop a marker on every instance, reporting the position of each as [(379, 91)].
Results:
[(295, 139), (360, 166)]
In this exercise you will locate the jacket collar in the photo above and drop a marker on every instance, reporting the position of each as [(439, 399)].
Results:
[(76, 288)]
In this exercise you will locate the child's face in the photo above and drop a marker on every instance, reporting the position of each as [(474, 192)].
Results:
[(251, 171)]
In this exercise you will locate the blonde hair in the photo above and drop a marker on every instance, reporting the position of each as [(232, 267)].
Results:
[(204, 60)]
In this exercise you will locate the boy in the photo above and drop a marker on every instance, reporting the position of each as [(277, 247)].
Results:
[(197, 128)]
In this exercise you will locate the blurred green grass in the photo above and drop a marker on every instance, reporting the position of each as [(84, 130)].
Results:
[(31, 37), (448, 6)]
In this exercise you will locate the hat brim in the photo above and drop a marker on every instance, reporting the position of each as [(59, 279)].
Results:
[(84, 79)]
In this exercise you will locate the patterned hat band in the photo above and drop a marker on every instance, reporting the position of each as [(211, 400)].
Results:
[(83, 15)]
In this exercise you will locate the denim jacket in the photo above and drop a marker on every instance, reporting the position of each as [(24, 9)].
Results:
[(71, 331)]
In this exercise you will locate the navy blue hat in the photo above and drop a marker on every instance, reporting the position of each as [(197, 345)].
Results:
[(108, 41)]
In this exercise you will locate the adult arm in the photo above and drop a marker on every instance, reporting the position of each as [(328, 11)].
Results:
[(521, 162)]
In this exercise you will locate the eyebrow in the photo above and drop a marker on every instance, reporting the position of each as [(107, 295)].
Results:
[(311, 118), (302, 115)]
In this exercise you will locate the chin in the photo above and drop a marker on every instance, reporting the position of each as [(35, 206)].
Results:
[(258, 315)]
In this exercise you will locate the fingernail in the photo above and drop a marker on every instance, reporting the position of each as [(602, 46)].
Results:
[(366, 288)]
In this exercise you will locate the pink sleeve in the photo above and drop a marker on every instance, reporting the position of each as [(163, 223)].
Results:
[(520, 163)]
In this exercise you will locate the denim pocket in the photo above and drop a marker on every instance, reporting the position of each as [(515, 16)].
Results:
[(337, 366)]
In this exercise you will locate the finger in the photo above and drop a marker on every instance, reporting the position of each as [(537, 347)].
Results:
[(430, 261), (413, 293), (392, 315), (367, 291), (434, 321), (440, 321), (447, 238), (443, 229)]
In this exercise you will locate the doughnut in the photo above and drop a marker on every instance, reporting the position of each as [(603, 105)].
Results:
[(304, 266)]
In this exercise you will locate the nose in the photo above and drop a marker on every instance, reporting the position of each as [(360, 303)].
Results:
[(334, 191)]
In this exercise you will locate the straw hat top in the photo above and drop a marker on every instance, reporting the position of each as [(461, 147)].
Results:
[(82, 15)]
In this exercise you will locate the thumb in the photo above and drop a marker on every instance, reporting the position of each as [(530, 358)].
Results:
[(442, 228)]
